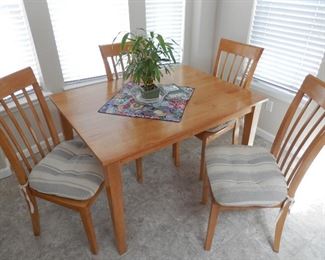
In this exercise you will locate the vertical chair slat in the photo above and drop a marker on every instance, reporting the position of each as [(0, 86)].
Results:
[(129, 57), (286, 122), (294, 171), (37, 120), (28, 125), (46, 113), (245, 73), (11, 136), (293, 127), (108, 69), (224, 65), (303, 142), (298, 135), (231, 67), (20, 131), (114, 67), (239, 67), (122, 63)]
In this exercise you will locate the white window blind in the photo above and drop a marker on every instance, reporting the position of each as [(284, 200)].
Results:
[(293, 35), (166, 17), (79, 27), (17, 49)]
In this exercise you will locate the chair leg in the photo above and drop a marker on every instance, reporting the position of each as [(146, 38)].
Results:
[(35, 216), (139, 173), (279, 227), (89, 228), (206, 187), (202, 163), (176, 154), (235, 132), (213, 219)]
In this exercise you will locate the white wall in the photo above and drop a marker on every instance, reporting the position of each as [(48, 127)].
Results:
[(43, 36), (233, 20), (200, 34)]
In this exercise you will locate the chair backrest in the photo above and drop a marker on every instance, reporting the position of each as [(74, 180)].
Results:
[(28, 131), (236, 62), (113, 60), (302, 132)]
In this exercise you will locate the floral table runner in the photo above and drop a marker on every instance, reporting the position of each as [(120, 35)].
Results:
[(170, 107)]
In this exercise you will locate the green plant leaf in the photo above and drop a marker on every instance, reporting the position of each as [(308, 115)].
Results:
[(150, 57), (124, 39), (162, 42)]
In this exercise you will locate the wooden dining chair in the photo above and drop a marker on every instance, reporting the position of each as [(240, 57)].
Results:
[(65, 173), (243, 177), (235, 63), (115, 64)]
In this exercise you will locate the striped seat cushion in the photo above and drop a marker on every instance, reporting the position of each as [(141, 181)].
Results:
[(245, 176), (70, 170), (220, 127)]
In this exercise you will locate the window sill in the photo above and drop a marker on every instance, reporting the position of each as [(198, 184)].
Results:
[(272, 91), (94, 82)]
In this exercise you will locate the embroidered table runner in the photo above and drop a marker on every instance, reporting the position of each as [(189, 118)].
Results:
[(170, 106)]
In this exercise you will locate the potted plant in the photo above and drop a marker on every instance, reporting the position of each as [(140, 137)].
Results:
[(150, 55)]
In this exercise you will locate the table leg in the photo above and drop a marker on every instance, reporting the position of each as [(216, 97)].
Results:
[(66, 128), (114, 190), (139, 170), (250, 125), (176, 155)]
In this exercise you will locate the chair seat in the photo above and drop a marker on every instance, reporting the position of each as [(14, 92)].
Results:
[(70, 170), (245, 176), (220, 127)]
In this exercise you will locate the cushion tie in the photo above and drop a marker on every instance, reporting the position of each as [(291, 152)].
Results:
[(289, 201), (24, 194)]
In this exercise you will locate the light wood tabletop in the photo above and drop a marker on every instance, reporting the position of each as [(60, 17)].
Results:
[(116, 140)]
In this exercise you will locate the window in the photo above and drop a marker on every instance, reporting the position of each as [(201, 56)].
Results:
[(293, 35), (16, 45), (79, 27), (166, 17)]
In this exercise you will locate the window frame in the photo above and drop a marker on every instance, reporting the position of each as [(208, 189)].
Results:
[(47, 52), (45, 45), (270, 88), (19, 5)]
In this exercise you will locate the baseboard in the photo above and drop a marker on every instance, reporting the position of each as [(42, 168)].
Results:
[(6, 172), (264, 134)]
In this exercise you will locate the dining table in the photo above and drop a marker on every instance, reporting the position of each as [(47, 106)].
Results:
[(116, 140)]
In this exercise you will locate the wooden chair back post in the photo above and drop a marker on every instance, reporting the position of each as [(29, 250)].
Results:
[(12, 157), (22, 130), (112, 52), (242, 66), (302, 132)]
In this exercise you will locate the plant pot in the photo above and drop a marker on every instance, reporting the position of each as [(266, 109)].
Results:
[(150, 94)]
